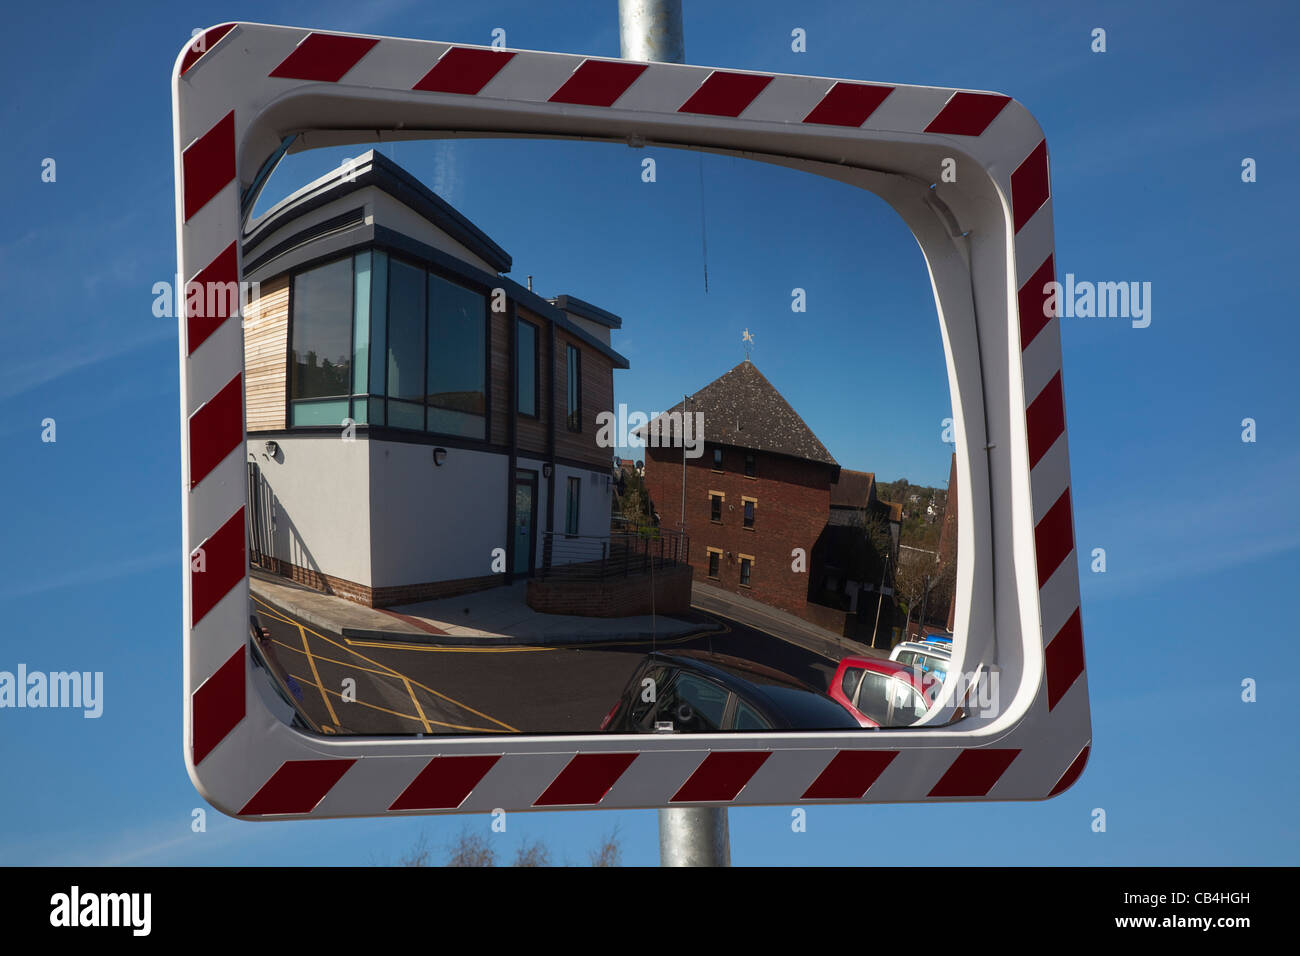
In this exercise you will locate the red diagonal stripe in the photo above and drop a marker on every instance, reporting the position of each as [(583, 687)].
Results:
[(296, 787), (461, 70), (1029, 186), (209, 307), (968, 114), (1045, 419), (444, 783), (1072, 772), (849, 775), (224, 564), (1054, 538), (217, 706), (848, 104), (585, 780), (1064, 659), (205, 41), (725, 94), (974, 773), (216, 429), (598, 83), (208, 164), (1031, 301), (323, 57), (721, 776)]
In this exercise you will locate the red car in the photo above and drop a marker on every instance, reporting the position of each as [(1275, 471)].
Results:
[(883, 693)]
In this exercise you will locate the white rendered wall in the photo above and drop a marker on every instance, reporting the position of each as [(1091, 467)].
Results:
[(320, 488), (434, 523)]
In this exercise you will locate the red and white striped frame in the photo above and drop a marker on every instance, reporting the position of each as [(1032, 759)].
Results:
[(240, 89)]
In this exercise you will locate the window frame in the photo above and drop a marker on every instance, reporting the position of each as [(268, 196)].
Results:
[(710, 571), (573, 506), (536, 413), (573, 388), (377, 396), (289, 338)]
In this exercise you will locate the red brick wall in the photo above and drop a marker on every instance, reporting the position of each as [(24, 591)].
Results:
[(379, 597), (793, 503), (618, 597)]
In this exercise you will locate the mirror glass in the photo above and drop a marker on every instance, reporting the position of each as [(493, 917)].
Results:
[(567, 437)]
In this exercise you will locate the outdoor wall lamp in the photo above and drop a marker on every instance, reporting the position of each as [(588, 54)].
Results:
[(547, 469), (439, 456), (272, 449)]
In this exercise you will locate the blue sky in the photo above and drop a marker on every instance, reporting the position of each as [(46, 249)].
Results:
[(1201, 530)]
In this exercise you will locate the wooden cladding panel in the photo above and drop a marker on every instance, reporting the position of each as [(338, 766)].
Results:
[(597, 396), (266, 343)]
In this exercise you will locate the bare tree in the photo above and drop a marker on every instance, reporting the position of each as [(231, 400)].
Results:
[(419, 855), (533, 854), (472, 849), (610, 852)]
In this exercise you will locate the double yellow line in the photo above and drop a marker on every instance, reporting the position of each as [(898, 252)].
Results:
[(382, 670)]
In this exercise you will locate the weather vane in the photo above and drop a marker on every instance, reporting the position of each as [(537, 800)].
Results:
[(748, 340)]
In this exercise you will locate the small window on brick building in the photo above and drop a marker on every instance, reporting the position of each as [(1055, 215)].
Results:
[(745, 565), (715, 508), (750, 465), (714, 557), (749, 514), (717, 459)]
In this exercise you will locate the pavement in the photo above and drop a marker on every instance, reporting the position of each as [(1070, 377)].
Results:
[(493, 617), (789, 627)]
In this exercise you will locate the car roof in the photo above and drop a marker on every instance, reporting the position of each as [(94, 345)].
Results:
[(906, 672), (774, 692), (925, 648)]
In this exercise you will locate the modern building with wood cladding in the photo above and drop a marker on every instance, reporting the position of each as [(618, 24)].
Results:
[(417, 421)]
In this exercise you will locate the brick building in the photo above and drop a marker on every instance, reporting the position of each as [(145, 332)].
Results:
[(761, 489)]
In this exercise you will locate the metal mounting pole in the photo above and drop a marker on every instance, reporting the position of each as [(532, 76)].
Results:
[(694, 836), (651, 30)]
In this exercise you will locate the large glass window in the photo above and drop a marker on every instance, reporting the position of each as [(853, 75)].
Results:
[(526, 367), (406, 349), (378, 334), (457, 389), (320, 369), (386, 342)]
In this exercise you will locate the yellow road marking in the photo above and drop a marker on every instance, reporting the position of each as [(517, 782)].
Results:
[(420, 710), (326, 690), (334, 718), (278, 615), (680, 639)]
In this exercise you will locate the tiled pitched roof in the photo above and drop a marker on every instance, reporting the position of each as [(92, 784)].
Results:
[(743, 409)]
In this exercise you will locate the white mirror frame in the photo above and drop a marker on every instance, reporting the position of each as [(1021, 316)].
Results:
[(243, 92)]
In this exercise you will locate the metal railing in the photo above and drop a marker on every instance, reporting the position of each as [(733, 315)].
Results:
[(616, 555)]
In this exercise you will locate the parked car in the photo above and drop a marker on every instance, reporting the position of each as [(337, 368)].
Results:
[(930, 656), (883, 693), (699, 692)]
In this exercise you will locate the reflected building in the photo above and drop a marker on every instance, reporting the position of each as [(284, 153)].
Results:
[(417, 423)]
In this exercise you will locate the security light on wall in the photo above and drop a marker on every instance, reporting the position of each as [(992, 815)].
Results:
[(272, 449), (439, 456), (547, 469)]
